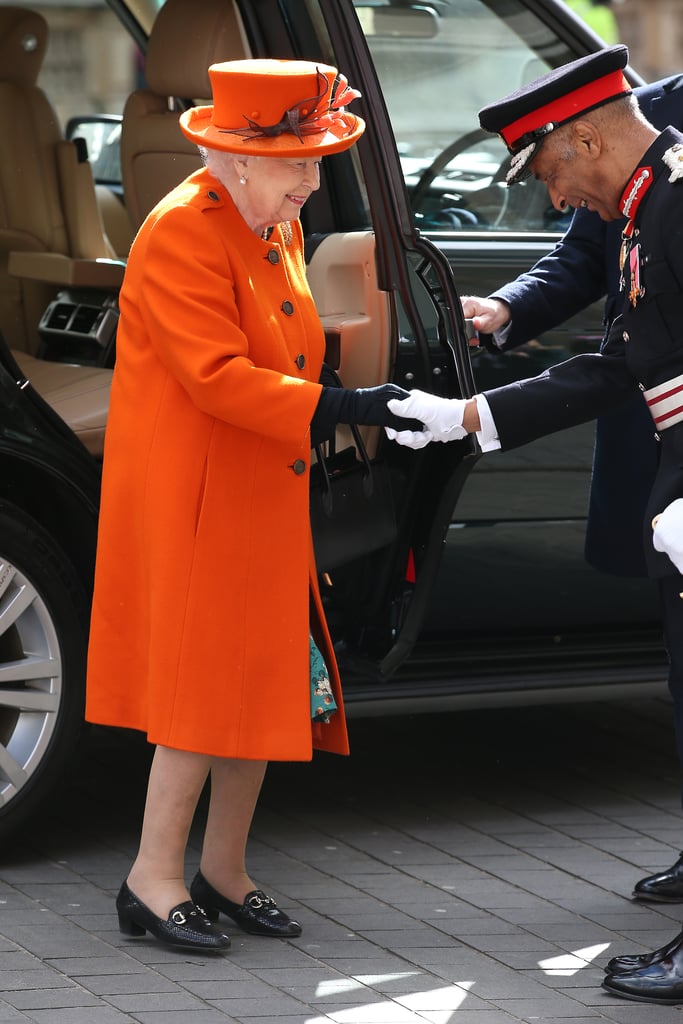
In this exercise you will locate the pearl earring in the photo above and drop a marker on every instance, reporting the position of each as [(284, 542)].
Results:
[(243, 180)]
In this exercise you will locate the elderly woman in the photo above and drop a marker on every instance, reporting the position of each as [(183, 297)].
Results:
[(206, 602)]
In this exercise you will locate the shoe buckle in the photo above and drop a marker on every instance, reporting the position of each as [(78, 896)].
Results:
[(178, 917), (260, 900)]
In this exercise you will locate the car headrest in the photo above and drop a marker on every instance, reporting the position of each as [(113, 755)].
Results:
[(185, 40), (23, 41)]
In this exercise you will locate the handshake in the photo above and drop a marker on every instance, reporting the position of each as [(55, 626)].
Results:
[(412, 418), (442, 419)]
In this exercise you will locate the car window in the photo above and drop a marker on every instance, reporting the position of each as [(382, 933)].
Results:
[(438, 65), (91, 65)]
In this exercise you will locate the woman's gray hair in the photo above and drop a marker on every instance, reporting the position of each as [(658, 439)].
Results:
[(221, 163)]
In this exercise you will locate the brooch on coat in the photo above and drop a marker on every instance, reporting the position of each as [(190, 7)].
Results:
[(673, 158)]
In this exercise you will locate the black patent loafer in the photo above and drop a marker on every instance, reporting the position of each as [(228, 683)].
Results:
[(636, 961), (665, 887), (187, 925), (258, 915), (660, 982)]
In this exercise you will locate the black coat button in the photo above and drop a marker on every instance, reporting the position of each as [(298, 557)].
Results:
[(300, 361), (273, 256), (287, 307), (299, 467)]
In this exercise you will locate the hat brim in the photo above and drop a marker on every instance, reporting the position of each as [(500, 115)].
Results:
[(197, 127)]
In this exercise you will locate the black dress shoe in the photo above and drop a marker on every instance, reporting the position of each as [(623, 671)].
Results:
[(665, 887), (660, 982), (187, 926), (624, 964), (258, 915)]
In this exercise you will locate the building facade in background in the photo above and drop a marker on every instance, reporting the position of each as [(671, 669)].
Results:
[(653, 32), (94, 78)]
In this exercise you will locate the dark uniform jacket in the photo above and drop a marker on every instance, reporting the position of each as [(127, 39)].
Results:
[(625, 450), (643, 349)]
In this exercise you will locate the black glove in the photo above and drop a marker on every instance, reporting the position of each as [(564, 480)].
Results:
[(366, 406)]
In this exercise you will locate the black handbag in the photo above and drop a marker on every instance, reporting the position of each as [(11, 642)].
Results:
[(352, 505)]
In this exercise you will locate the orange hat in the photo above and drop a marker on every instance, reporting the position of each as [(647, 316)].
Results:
[(285, 108)]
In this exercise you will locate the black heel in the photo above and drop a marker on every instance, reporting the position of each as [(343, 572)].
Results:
[(258, 915), (128, 927), (187, 925)]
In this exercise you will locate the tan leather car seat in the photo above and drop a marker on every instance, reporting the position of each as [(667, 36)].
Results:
[(185, 40), (47, 197), (79, 394)]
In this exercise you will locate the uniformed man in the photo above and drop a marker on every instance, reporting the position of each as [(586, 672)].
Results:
[(579, 130), (583, 266)]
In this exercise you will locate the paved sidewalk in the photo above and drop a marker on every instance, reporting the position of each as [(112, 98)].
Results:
[(463, 869)]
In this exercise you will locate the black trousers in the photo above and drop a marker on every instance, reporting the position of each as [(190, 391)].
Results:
[(670, 590)]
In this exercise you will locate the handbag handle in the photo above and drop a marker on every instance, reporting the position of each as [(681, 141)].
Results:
[(368, 479), (329, 373)]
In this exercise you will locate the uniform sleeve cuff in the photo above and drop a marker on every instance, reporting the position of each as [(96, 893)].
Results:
[(487, 435)]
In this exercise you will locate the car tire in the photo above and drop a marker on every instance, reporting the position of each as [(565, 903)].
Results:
[(43, 644)]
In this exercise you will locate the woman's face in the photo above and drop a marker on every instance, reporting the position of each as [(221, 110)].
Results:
[(276, 188)]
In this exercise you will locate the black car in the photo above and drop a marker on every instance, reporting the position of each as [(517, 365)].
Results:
[(480, 594)]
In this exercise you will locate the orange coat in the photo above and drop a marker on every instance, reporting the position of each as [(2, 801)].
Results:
[(205, 576)]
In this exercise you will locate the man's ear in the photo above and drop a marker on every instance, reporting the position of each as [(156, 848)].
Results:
[(587, 139)]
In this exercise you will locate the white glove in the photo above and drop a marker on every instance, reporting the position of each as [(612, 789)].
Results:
[(409, 438), (667, 532), (441, 416)]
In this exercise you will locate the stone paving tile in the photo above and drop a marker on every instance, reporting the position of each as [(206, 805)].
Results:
[(10, 1015), (73, 898), (28, 915), (53, 998), (206, 1015), (114, 984), (500, 1017), (31, 978), (204, 972), (540, 1009), (156, 1001), (632, 1013), (464, 927), (17, 959), (247, 987), (276, 1005), (25, 870), (80, 1015), (77, 967)]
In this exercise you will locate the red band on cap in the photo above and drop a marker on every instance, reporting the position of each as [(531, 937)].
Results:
[(564, 108)]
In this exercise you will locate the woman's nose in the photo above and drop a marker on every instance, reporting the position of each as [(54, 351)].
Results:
[(312, 178)]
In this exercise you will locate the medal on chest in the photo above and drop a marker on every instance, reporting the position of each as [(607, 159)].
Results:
[(636, 291), (629, 264)]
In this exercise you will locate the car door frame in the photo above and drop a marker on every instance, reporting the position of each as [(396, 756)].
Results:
[(438, 473)]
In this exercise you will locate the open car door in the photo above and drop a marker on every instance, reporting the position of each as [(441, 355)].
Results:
[(387, 300)]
